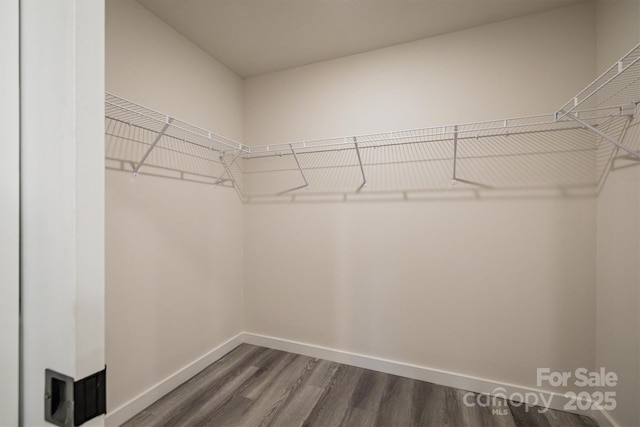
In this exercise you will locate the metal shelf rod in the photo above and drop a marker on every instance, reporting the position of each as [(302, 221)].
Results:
[(306, 184), (454, 181), (604, 135), (364, 178), (152, 146), (227, 168)]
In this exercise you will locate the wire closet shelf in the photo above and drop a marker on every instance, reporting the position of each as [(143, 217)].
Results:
[(537, 147)]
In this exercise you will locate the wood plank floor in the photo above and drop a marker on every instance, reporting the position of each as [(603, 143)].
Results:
[(256, 386)]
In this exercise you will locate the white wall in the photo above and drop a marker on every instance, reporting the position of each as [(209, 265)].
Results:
[(514, 68), (618, 271), (62, 194), (150, 63), (489, 288), (10, 212), (173, 248)]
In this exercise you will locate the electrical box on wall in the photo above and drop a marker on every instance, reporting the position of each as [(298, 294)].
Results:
[(72, 403)]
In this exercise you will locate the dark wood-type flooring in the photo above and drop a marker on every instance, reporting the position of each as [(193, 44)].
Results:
[(256, 386)]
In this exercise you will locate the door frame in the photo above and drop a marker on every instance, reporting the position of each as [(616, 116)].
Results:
[(10, 212)]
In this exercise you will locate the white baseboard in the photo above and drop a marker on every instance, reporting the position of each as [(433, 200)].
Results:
[(121, 414), (451, 379), (422, 373)]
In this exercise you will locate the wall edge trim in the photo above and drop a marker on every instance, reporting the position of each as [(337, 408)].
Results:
[(422, 373), (128, 409)]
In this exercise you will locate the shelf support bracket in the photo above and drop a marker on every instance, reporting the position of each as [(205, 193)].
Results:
[(224, 163), (454, 180), (226, 169), (603, 135), (364, 177), (295, 156), (152, 146)]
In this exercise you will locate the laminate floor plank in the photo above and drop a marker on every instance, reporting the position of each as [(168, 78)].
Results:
[(217, 390), (334, 402), (453, 408), (395, 405), (525, 415), (145, 418), (268, 375), (178, 400), (254, 386), (298, 408), (304, 399), (228, 414), (358, 417), (266, 365), (276, 395), (432, 404), (369, 390), (494, 411), (471, 415), (428, 404), (221, 395), (323, 374), (565, 419)]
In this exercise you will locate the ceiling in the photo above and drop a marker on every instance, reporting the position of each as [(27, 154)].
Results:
[(254, 37)]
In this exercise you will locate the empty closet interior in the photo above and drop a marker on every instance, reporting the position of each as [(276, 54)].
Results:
[(462, 208)]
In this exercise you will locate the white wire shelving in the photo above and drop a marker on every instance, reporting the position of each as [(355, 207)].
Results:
[(560, 149), (139, 137), (618, 85), (125, 111)]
